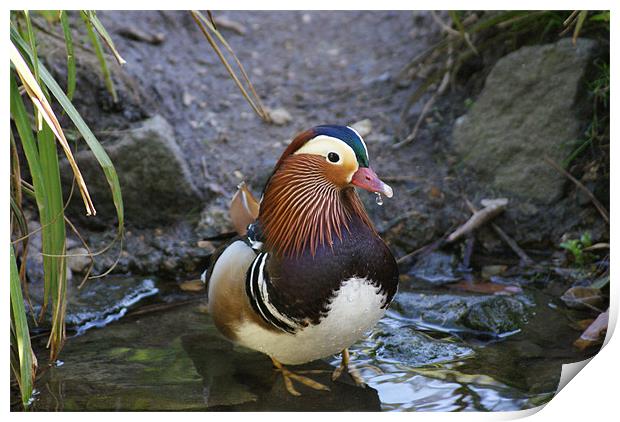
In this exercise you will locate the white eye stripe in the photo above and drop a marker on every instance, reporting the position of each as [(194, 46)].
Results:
[(362, 140), (323, 145)]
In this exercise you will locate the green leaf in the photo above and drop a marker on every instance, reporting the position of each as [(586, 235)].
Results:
[(94, 39), (66, 29), (586, 240), (23, 363), (94, 145), (601, 17), (600, 282), (51, 16), (580, 20), (94, 20)]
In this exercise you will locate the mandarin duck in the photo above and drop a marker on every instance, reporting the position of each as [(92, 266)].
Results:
[(309, 275)]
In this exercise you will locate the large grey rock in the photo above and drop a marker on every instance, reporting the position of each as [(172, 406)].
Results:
[(155, 180), (530, 107)]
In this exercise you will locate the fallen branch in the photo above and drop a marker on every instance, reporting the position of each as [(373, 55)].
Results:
[(601, 209), (491, 210), (592, 335), (509, 240)]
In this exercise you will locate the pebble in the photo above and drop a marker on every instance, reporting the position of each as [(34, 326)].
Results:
[(227, 23), (363, 127), (78, 264), (280, 116), (188, 99)]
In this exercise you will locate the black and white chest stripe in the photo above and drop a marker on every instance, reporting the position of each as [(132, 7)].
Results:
[(256, 287)]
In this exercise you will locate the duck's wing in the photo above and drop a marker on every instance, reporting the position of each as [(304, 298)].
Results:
[(243, 209), (227, 300)]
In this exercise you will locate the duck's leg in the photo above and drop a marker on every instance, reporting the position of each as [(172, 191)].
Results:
[(344, 364), (288, 376)]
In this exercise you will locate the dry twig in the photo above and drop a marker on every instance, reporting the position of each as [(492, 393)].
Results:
[(479, 218), (601, 209), (509, 240)]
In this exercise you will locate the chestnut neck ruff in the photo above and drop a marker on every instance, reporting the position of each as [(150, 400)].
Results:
[(302, 209)]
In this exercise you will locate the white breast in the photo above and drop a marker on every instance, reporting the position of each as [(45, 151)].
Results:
[(354, 310)]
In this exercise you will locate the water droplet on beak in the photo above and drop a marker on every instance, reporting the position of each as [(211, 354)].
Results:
[(378, 199)]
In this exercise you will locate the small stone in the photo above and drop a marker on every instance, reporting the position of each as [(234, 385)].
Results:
[(188, 99), (363, 127), (238, 174), (78, 260), (333, 51), (306, 18), (489, 271), (280, 116), (227, 23)]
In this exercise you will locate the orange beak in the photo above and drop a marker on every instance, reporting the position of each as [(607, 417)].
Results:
[(367, 179)]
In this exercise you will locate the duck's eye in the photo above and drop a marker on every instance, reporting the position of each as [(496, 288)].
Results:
[(333, 157)]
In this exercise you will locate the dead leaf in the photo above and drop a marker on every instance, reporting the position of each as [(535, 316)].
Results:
[(593, 335), (435, 193), (580, 297), (192, 286)]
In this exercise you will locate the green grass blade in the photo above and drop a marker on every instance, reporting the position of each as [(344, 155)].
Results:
[(66, 29), (94, 20), (33, 46), (42, 160), (94, 145), (53, 236), (94, 39), (24, 368), (580, 20)]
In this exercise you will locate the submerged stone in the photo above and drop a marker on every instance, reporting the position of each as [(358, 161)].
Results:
[(405, 344), (436, 268), (478, 314), (497, 315)]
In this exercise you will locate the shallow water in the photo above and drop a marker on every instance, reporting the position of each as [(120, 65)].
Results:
[(176, 360)]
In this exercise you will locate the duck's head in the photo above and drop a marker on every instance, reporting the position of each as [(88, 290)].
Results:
[(310, 194), (342, 155)]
